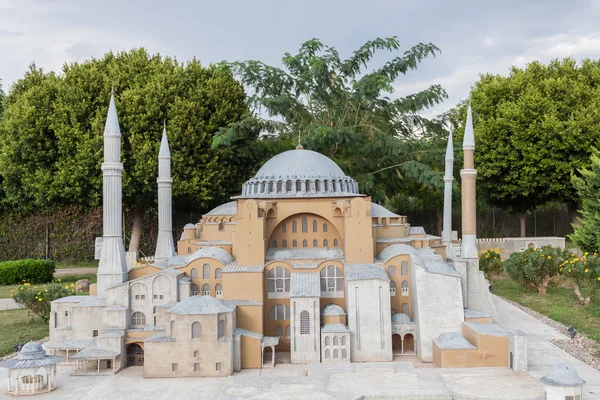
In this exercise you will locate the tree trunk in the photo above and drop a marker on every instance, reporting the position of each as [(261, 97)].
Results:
[(574, 213), (542, 288), (136, 232), (522, 219), (582, 301)]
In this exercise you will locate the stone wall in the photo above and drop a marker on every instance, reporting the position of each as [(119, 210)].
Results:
[(305, 347)]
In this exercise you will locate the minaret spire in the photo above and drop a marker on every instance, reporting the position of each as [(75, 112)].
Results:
[(112, 269), (448, 179), (165, 249), (468, 175)]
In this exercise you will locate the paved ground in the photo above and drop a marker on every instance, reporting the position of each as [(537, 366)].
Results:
[(402, 378), (75, 271)]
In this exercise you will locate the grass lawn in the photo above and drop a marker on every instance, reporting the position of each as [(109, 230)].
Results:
[(18, 326), (559, 303), (84, 264)]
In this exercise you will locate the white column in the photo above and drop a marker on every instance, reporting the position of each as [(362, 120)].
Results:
[(165, 249), (448, 180)]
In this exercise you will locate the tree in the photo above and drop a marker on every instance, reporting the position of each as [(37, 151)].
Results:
[(583, 273), (533, 128), (339, 109), (586, 235), (52, 152), (535, 267), (1, 100)]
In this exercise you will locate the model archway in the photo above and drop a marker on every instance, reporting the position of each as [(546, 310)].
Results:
[(305, 230), (135, 355)]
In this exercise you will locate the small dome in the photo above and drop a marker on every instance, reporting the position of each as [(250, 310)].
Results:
[(299, 173), (189, 226), (562, 375), (333, 310), (401, 318), (31, 351), (229, 208)]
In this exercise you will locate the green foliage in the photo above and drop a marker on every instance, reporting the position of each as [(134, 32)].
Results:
[(491, 264), (582, 272), (1, 99), (38, 298), (52, 134), (37, 271), (586, 236), (534, 268), (339, 107), (533, 128)]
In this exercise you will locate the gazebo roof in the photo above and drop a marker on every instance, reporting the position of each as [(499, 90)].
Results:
[(32, 355)]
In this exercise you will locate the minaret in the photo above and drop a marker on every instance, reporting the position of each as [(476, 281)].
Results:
[(112, 269), (165, 250), (448, 179), (467, 176)]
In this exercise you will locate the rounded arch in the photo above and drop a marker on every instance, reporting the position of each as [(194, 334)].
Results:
[(391, 270), (218, 273), (138, 319), (196, 330), (194, 273), (138, 290), (278, 278), (135, 354), (304, 226), (160, 285)]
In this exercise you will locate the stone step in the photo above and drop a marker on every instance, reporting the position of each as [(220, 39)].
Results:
[(477, 316)]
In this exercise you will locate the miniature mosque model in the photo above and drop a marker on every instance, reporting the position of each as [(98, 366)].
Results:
[(300, 263)]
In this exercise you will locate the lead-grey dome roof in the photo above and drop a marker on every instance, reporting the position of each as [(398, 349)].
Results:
[(333, 310), (562, 375), (299, 173)]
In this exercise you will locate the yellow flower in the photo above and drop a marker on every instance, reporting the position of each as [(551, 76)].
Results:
[(40, 300), (21, 288), (72, 284), (46, 290), (586, 270), (26, 284), (67, 286), (599, 278)]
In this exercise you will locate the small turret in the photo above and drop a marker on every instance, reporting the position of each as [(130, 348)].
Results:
[(165, 249)]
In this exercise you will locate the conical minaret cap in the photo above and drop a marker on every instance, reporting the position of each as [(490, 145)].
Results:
[(164, 144), (112, 121), (450, 148), (469, 138)]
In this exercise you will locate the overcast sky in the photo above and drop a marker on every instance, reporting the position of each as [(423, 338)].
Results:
[(474, 36)]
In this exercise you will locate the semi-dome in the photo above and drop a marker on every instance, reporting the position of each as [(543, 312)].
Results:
[(400, 318), (333, 310), (299, 173)]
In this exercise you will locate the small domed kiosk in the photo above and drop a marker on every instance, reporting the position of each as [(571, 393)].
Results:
[(32, 371), (562, 382)]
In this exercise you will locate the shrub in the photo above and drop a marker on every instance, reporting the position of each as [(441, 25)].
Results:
[(491, 264), (33, 271), (535, 267), (582, 272), (38, 298)]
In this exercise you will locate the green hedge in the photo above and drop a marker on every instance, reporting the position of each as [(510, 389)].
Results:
[(32, 271)]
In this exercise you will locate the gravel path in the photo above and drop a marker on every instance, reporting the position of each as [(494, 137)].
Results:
[(581, 347)]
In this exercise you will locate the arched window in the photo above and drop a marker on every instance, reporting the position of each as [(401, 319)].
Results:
[(278, 280), (194, 273), (221, 328), (404, 271), (405, 308), (218, 273), (262, 187), (325, 243), (294, 243), (317, 186), (325, 227), (404, 286), (308, 186), (206, 271), (332, 280), (284, 243), (335, 243), (304, 323), (271, 187), (327, 341), (304, 224), (335, 341), (305, 243), (138, 319), (274, 243), (343, 340), (392, 288), (287, 332), (294, 227), (315, 243), (279, 312), (196, 354), (279, 331), (288, 186), (335, 353), (327, 353), (344, 353), (218, 290), (315, 225), (189, 249), (172, 328), (298, 186), (194, 289), (283, 228), (326, 184), (206, 290), (196, 330), (279, 186), (391, 270)]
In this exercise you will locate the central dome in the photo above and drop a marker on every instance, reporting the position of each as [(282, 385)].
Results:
[(299, 173)]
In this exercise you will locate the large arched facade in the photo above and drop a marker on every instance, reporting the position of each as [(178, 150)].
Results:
[(306, 230)]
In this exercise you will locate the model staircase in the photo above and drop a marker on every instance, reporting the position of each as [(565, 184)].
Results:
[(480, 344)]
